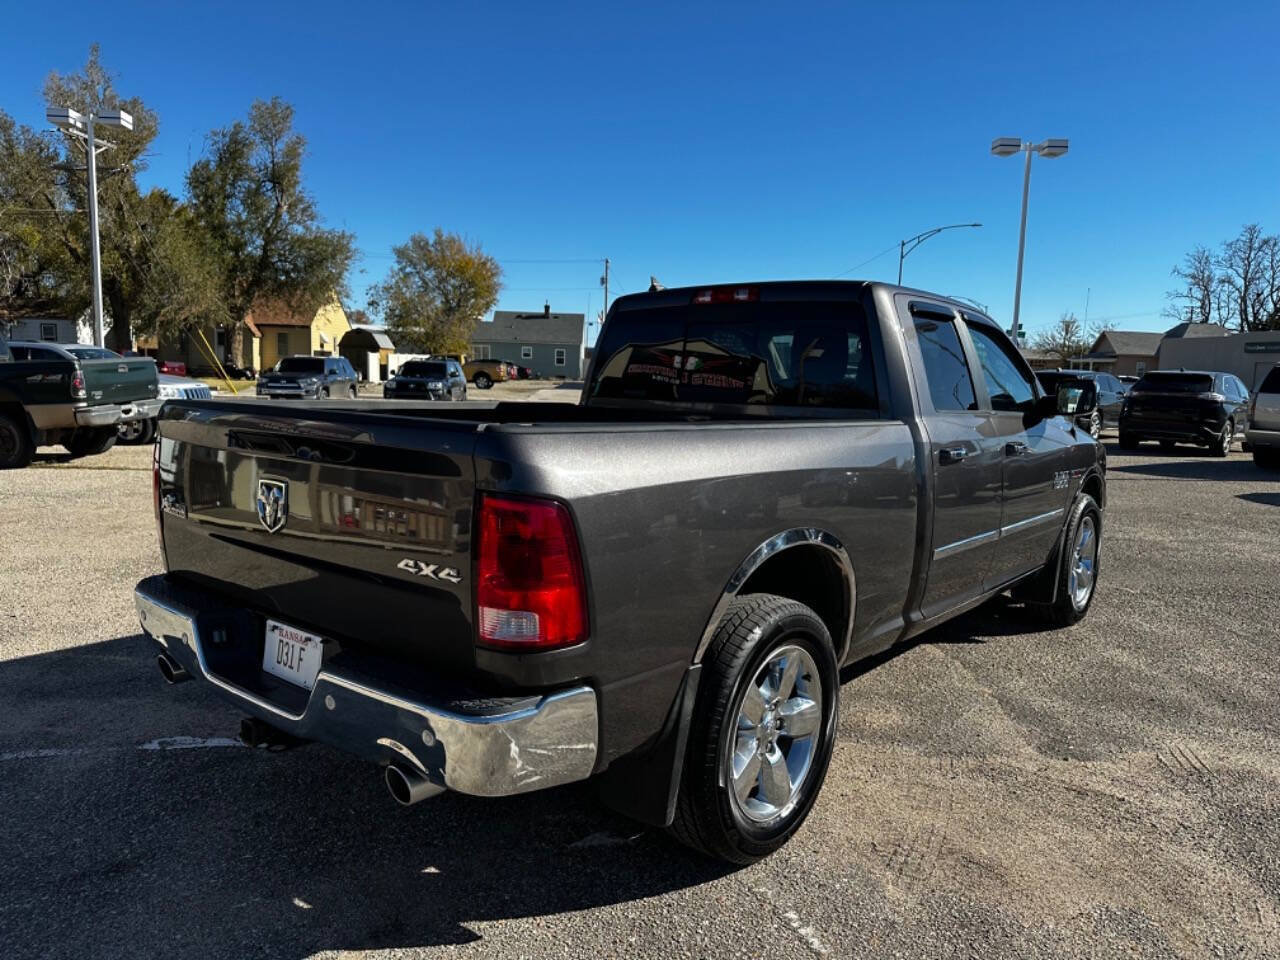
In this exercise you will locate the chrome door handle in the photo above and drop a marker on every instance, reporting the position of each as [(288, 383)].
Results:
[(952, 454), (1015, 448)]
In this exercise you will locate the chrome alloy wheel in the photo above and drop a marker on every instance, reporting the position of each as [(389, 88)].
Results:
[(776, 737), (1228, 435), (1084, 562), (1095, 425)]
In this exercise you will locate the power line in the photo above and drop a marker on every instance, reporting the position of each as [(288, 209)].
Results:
[(859, 266)]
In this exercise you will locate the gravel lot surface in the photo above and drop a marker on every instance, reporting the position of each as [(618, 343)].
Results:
[(1111, 790)]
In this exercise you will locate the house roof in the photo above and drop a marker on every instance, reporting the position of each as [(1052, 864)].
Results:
[(277, 313), (1138, 342), (513, 326), (1184, 330)]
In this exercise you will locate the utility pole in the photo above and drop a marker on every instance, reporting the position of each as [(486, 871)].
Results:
[(604, 281)]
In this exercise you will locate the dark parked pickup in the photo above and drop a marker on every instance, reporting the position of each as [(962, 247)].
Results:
[(657, 587), (1185, 406), (74, 394)]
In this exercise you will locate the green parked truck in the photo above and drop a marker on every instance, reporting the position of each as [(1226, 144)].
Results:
[(73, 395)]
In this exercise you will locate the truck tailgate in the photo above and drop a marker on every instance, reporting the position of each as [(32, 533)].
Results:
[(120, 379), (344, 523)]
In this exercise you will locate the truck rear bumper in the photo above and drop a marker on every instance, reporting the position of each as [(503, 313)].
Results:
[(504, 747), (110, 414)]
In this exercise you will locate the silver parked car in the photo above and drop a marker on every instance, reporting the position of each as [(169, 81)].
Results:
[(1263, 431), (137, 432), (309, 378)]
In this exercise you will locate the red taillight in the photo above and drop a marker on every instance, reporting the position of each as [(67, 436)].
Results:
[(530, 592), (727, 295), (77, 386)]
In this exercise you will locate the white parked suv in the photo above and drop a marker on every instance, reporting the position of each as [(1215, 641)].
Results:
[(1263, 431)]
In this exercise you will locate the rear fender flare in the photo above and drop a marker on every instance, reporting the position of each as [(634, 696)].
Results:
[(786, 540)]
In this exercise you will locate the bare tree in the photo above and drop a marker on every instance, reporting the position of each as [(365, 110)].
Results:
[(1244, 264), (1065, 340), (1195, 301)]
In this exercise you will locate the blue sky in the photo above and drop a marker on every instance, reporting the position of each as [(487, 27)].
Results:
[(707, 143)]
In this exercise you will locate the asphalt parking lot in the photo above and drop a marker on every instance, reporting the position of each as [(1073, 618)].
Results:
[(1109, 790)]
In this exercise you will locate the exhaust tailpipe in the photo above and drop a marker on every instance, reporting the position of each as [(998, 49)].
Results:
[(408, 786), (172, 670)]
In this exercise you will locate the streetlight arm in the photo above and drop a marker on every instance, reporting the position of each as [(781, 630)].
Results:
[(906, 246)]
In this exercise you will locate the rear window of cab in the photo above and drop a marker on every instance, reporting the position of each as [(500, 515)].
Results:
[(772, 354)]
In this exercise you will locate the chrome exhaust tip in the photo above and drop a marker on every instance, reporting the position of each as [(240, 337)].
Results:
[(408, 786), (172, 670)]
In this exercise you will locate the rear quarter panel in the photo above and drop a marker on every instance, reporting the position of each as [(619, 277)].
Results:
[(666, 516)]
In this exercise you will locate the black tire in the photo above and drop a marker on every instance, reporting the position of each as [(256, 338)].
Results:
[(1095, 424), (1064, 609), (351, 393), (1222, 448), (1128, 441), (324, 393), (483, 381), (91, 441), (136, 433), (16, 448), (755, 627)]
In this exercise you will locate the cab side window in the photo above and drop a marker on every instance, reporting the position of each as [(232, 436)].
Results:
[(945, 368), (1008, 383)]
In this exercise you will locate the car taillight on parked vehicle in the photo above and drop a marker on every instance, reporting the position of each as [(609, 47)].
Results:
[(530, 590), (77, 386)]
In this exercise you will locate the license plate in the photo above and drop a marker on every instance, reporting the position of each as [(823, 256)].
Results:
[(291, 654)]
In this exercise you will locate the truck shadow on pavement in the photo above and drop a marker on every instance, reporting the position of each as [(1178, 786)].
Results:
[(114, 845), (1235, 470)]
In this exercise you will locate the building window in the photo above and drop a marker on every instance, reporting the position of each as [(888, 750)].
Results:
[(526, 353), (482, 351), (282, 344), (1141, 368), (559, 356), (49, 332)]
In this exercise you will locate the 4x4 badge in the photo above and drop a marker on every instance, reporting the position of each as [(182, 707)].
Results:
[(432, 570), (273, 504)]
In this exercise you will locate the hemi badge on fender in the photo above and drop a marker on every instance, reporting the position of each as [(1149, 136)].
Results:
[(432, 570)]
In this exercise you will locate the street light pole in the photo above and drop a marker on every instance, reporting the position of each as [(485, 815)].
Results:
[(94, 246), (904, 251), (1008, 147), (80, 125)]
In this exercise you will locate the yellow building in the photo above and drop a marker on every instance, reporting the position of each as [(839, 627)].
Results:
[(272, 330)]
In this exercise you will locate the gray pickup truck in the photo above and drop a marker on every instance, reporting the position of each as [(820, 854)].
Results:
[(655, 588)]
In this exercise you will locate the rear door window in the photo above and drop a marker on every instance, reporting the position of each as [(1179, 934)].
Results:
[(945, 367), (1271, 382)]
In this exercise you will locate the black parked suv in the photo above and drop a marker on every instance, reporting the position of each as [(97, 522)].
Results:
[(433, 379), (1202, 407)]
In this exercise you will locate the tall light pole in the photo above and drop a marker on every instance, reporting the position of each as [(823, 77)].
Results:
[(1008, 147), (906, 246), (80, 125)]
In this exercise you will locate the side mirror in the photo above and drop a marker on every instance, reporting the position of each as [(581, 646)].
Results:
[(1077, 398)]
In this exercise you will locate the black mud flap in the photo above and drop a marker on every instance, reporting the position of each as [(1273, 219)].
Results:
[(644, 786)]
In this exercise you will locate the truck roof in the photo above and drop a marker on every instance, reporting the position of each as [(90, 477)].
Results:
[(787, 290)]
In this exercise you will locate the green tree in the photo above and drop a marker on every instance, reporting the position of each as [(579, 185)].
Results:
[(259, 228), (435, 293), (34, 265)]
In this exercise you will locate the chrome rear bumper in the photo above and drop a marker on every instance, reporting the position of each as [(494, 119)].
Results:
[(109, 414), (533, 744)]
